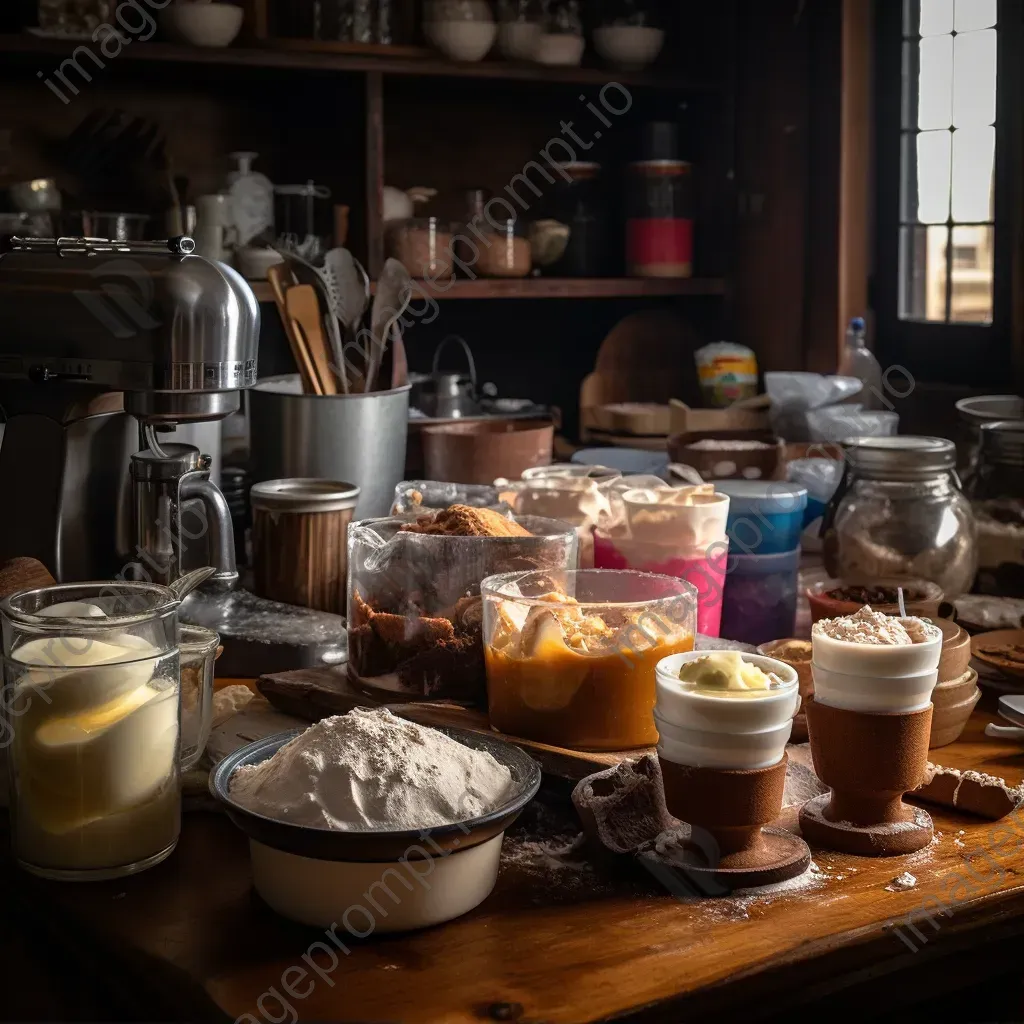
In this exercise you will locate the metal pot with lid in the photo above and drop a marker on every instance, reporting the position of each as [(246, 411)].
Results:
[(899, 512), (975, 412)]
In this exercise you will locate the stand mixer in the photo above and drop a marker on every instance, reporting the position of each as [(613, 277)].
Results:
[(105, 346)]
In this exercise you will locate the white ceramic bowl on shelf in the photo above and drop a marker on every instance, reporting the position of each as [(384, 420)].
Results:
[(628, 46), (202, 24)]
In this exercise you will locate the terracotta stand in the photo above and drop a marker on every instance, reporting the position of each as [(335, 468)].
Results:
[(731, 807), (870, 761)]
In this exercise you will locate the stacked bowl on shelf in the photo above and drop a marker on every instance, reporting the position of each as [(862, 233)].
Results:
[(765, 520)]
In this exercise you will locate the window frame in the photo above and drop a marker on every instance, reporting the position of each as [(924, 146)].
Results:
[(970, 354)]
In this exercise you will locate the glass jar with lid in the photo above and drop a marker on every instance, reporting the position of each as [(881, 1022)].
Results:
[(520, 28), (996, 489), (570, 237), (423, 245), (899, 513), (504, 251)]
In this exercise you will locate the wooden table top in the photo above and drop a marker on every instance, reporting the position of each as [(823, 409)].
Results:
[(576, 946)]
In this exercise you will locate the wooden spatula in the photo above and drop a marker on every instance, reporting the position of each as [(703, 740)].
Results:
[(304, 311), (281, 278)]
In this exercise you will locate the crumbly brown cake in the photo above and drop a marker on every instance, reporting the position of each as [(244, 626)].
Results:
[(466, 521)]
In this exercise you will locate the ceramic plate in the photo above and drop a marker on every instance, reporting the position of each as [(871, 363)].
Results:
[(1012, 709), (1002, 649)]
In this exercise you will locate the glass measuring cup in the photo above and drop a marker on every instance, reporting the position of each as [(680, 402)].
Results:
[(91, 706)]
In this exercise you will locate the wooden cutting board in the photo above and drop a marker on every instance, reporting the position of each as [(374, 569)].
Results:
[(316, 693)]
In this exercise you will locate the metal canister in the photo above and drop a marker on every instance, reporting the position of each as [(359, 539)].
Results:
[(299, 541)]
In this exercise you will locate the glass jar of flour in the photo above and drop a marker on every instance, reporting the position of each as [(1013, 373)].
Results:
[(91, 701)]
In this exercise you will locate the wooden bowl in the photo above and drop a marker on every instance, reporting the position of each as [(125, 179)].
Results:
[(955, 659), (926, 602), (955, 691), (802, 666), (949, 722), (479, 452)]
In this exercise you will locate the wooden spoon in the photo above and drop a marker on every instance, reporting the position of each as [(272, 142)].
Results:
[(281, 278), (304, 311)]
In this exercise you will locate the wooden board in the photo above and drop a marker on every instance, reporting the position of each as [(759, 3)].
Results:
[(188, 940), (313, 694)]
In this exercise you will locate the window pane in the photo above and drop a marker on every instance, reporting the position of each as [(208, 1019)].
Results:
[(974, 14), (922, 294), (971, 275), (974, 153), (936, 17), (935, 83), (911, 78), (974, 78), (908, 176), (933, 155)]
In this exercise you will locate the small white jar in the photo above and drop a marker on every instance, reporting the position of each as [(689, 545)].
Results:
[(704, 730)]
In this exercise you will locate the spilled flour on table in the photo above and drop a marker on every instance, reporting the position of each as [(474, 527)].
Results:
[(901, 883)]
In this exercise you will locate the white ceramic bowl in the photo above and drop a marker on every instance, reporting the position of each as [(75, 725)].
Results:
[(876, 661), (724, 732), (202, 24), (703, 749), (374, 898), (467, 40), (628, 46), (877, 694)]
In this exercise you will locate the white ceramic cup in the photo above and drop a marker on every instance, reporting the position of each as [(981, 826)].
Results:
[(874, 694), (875, 661), (705, 749), (707, 731)]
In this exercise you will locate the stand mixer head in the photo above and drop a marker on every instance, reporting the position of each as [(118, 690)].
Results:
[(106, 345)]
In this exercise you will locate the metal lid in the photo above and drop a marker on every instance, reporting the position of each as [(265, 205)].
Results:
[(303, 494), (900, 458)]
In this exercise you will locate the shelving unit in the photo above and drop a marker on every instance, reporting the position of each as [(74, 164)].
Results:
[(554, 288), (312, 56)]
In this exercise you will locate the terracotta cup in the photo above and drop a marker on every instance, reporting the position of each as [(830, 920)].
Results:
[(869, 760), (731, 805)]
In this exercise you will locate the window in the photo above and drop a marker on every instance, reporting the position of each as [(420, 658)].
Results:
[(948, 150), (946, 136)]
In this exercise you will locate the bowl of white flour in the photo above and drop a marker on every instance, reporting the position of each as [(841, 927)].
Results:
[(372, 823)]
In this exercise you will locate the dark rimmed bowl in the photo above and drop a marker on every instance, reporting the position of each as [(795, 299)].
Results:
[(374, 846)]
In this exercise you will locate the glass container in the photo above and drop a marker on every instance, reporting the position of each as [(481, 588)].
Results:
[(561, 43), (415, 608), (504, 251), (899, 513), (571, 655), (659, 219), (628, 34), (463, 30), (996, 489), (91, 709), (423, 245), (520, 26), (198, 653), (570, 238)]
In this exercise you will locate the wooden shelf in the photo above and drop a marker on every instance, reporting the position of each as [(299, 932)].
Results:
[(558, 288), (313, 56)]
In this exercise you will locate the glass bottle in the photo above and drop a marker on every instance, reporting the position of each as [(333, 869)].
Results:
[(859, 361)]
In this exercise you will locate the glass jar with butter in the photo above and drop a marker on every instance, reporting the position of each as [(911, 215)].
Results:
[(91, 723)]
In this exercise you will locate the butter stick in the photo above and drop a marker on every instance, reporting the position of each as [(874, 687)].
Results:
[(969, 791)]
